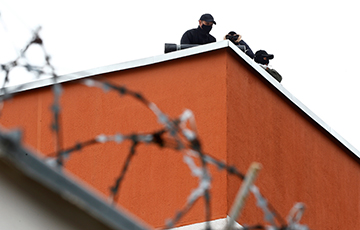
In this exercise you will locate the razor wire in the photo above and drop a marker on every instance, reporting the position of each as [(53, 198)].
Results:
[(178, 133)]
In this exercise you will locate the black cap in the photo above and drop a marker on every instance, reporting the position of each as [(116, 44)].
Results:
[(207, 18), (260, 54)]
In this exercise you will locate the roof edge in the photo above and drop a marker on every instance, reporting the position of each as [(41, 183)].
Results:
[(184, 53), (119, 66)]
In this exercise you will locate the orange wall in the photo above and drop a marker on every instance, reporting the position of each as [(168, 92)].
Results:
[(158, 182), (301, 162), (240, 118)]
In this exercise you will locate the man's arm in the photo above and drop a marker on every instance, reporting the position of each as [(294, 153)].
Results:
[(249, 52)]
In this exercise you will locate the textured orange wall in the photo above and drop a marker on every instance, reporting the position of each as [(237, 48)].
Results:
[(301, 163), (240, 118), (158, 182)]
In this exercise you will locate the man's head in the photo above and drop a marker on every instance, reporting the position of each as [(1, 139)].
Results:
[(262, 57), (206, 22), (233, 37)]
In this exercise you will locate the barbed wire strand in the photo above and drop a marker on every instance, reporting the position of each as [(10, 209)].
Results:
[(115, 189), (172, 126), (194, 144)]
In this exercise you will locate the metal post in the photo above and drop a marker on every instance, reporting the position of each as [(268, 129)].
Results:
[(242, 194)]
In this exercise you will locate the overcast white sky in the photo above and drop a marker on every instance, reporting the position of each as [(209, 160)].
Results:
[(315, 43)]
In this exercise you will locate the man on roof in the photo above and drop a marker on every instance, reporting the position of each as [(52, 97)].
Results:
[(201, 35), (263, 59), (237, 40)]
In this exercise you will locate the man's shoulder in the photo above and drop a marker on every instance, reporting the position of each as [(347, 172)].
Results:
[(191, 30)]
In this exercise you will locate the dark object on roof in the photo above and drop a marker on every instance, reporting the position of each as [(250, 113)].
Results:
[(259, 57), (170, 47), (237, 40), (263, 58)]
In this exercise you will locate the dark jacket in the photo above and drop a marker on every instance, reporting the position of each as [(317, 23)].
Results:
[(248, 49), (239, 41), (274, 73), (196, 36)]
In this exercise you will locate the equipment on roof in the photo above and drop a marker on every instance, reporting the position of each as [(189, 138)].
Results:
[(170, 47)]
